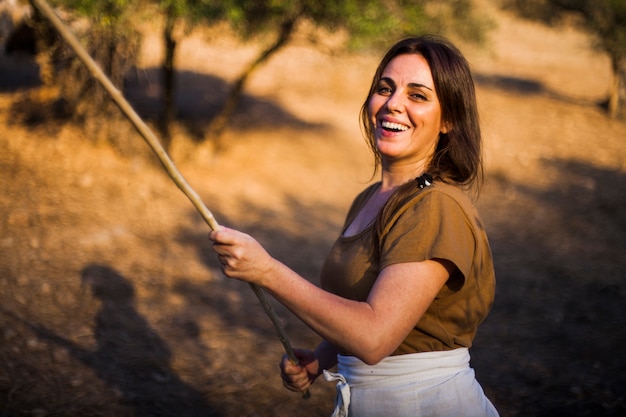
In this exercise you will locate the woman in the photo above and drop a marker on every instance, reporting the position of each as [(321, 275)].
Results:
[(410, 277)]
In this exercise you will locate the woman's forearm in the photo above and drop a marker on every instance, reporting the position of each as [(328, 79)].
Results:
[(341, 322)]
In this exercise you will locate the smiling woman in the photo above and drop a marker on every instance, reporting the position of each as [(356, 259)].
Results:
[(410, 276), (406, 114)]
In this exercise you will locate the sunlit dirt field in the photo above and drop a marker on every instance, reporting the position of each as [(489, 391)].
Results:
[(111, 303)]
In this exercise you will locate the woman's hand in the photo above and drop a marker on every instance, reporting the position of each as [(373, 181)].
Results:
[(299, 378), (241, 256)]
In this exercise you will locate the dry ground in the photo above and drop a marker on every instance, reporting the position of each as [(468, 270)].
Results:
[(110, 300)]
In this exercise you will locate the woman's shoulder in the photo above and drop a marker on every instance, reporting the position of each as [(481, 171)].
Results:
[(442, 195), (442, 190), (455, 192)]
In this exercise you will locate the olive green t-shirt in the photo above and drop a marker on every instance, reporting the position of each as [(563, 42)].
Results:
[(438, 222)]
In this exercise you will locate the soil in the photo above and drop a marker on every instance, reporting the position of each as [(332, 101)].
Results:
[(112, 304)]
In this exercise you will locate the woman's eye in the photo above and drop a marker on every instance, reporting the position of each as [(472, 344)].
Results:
[(419, 96), (383, 90)]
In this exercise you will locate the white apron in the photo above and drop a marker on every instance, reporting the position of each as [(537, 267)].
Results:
[(429, 384)]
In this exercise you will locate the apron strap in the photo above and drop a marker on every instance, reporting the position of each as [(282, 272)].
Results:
[(342, 400)]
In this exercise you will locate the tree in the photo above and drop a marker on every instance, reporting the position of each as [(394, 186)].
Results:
[(109, 39), (180, 16), (605, 20), (367, 24)]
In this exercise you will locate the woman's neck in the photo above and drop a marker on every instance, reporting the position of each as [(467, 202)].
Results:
[(395, 175)]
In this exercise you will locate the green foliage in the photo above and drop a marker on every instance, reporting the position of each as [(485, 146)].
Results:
[(110, 18), (105, 12), (193, 11), (368, 23)]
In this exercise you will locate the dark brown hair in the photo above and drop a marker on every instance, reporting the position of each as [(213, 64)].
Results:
[(458, 156)]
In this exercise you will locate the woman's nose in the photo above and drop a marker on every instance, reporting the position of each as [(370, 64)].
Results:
[(395, 103)]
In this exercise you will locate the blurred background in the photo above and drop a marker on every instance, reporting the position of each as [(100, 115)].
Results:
[(111, 302)]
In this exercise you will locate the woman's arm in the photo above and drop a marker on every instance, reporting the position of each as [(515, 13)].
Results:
[(369, 330)]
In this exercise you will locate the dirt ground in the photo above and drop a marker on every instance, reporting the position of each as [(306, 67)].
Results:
[(111, 303)]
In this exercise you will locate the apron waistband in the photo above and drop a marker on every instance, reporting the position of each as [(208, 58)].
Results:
[(393, 370)]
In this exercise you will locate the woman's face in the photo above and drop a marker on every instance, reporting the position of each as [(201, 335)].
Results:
[(405, 112)]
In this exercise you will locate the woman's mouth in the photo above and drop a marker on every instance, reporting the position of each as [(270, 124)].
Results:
[(393, 127)]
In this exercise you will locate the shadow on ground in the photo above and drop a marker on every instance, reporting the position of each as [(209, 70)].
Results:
[(129, 357), (528, 87), (199, 97), (550, 346)]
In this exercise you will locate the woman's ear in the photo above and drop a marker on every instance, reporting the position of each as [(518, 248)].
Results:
[(446, 127)]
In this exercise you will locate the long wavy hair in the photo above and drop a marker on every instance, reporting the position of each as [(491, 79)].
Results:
[(458, 155)]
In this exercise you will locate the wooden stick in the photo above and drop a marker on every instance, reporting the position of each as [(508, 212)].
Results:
[(162, 155)]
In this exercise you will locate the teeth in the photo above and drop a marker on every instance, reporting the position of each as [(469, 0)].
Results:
[(394, 126)]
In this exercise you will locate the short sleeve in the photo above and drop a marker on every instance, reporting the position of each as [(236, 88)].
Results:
[(431, 226)]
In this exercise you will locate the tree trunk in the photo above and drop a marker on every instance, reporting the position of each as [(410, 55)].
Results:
[(45, 47), (168, 107), (616, 88), (218, 124)]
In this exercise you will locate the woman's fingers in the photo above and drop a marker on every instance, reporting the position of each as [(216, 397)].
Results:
[(241, 256), (296, 381), (297, 377)]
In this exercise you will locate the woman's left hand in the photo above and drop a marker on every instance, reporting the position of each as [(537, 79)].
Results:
[(241, 256)]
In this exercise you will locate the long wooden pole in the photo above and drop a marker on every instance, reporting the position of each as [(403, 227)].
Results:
[(160, 152)]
